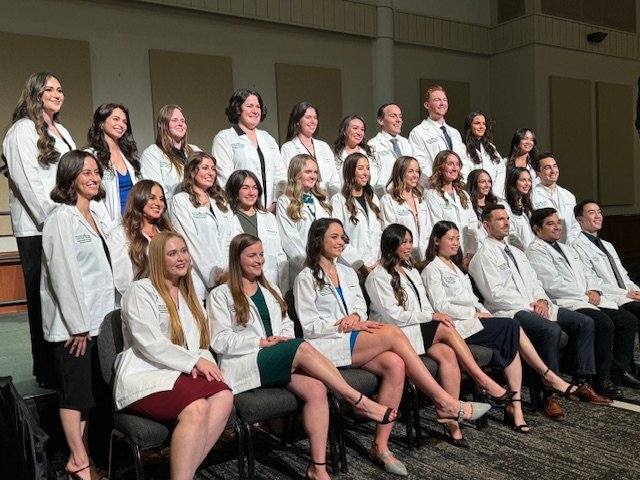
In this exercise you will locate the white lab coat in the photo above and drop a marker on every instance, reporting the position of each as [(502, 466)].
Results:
[(385, 308), (364, 236), (331, 180), (497, 170), (394, 212), (382, 150), (294, 234), (450, 292), (76, 287), (236, 152), (237, 346), (506, 290), (520, 233), (30, 183), (565, 283), (207, 237), (320, 308), (595, 259), (374, 166), (563, 201), (427, 140), (155, 165), (276, 265), (150, 363), (446, 208)]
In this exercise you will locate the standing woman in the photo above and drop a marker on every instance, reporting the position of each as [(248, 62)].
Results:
[(303, 125), (245, 147), (405, 203), (358, 209), (201, 215), (77, 292), (111, 141), (482, 152), (244, 194), (519, 207), (255, 340), (31, 148), (448, 200), (481, 194), (166, 372), (523, 151), (303, 202), (352, 138), (164, 161)]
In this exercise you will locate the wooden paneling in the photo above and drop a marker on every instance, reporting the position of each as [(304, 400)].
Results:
[(11, 283)]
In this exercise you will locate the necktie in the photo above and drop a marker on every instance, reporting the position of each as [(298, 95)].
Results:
[(557, 248), (447, 138), (396, 147), (612, 262), (509, 253)]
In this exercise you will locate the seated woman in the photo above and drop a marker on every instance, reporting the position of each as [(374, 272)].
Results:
[(519, 207), (358, 209), (200, 213), (398, 298), (303, 202), (333, 315), (166, 372), (404, 203), (479, 188), (450, 292), (244, 194), (254, 337)]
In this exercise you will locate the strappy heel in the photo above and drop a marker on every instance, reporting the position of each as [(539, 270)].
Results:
[(386, 419), (510, 420), (311, 462)]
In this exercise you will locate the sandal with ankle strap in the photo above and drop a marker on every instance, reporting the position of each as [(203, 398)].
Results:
[(510, 420), (73, 474), (311, 462), (568, 393), (386, 419)]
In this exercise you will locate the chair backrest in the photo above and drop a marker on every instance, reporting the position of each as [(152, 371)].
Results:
[(110, 344)]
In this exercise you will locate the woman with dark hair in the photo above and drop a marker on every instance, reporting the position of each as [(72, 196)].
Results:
[(404, 203), (166, 371), (202, 216), (254, 337), (523, 151), (243, 192), (77, 292), (448, 200), (483, 153), (111, 141), (31, 149), (244, 146), (481, 194), (302, 127), (398, 298), (144, 216), (333, 315), (164, 161), (303, 202), (519, 207), (450, 292), (352, 138), (359, 211)]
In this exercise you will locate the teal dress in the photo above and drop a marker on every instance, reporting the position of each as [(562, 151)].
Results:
[(274, 363)]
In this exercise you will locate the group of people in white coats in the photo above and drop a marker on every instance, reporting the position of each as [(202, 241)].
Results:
[(199, 249)]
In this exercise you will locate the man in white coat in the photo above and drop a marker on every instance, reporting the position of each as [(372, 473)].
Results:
[(388, 144), (602, 257), (511, 288), (548, 194), (434, 134), (571, 286)]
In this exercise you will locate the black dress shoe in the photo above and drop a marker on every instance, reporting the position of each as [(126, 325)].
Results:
[(607, 388), (629, 380)]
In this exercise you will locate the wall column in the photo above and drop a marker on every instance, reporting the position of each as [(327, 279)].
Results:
[(382, 67)]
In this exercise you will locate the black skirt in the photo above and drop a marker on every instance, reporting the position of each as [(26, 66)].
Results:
[(502, 335)]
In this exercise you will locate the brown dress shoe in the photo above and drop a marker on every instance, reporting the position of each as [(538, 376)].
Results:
[(553, 409), (586, 393)]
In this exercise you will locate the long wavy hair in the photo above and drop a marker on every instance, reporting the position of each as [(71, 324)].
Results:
[(514, 152), (233, 186), (349, 175), (437, 183), (164, 140), (293, 191), (396, 185), (472, 190), (473, 143), (315, 243), (188, 182), (133, 221), (339, 143), (157, 275), (512, 194), (30, 106), (440, 229), (126, 143), (70, 166), (392, 237), (240, 301), (297, 112)]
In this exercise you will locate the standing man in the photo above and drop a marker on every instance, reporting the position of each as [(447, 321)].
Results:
[(388, 144), (434, 134)]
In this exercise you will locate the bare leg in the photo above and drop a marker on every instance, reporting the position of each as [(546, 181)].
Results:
[(448, 377), (220, 406), (315, 418), (74, 427), (513, 375), (529, 354)]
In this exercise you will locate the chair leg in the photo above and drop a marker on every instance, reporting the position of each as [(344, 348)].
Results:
[(249, 447), (332, 448), (416, 416), (110, 454), (137, 458), (334, 406), (407, 411), (240, 449)]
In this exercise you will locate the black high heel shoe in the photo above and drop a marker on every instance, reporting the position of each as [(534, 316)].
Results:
[(510, 421), (503, 399), (456, 442)]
